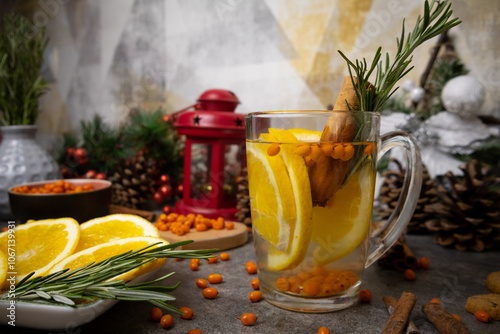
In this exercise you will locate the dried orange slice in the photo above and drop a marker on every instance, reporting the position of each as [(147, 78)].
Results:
[(114, 227), (42, 244), (106, 250)]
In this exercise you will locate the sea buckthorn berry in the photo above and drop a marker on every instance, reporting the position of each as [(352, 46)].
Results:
[(156, 314), (323, 330), (212, 260), (178, 259), (316, 153), (193, 265), (365, 295), (303, 150), (482, 316), (249, 229), (217, 224), (166, 321), (338, 151), (325, 289), (409, 275), (456, 316), (327, 148), (319, 271), (309, 161), (255, 296), (348, 152), (224, 256), (188, 313), (229, 225), (282, 284), (201, 283), (435, 301), (304, 276), (311, 287), (251, 268), (294, 284), (255, 284), (214, 278), (248, 319), (210, 293), (273, 149), (200, 227), (423, 263), (369, 148), (195, 331)]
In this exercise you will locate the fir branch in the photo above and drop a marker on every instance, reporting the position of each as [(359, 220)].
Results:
[(91, 281), (435, 20)]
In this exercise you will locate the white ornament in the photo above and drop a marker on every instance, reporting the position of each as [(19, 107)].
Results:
[(407, 85), (455, 131), (417, 94), (463, 95)]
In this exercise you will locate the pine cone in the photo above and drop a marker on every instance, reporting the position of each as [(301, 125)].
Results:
[(468, 214), (391, 189), (132, 182), (243, 198)]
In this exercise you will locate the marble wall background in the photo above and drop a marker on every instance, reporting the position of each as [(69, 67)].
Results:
[(108, 56)]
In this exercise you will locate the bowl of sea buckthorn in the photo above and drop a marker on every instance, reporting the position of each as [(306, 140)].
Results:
[(81, 199)]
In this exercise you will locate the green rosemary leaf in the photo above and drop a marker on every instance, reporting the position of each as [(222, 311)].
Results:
[(63, 300), (165, 306), (153, 281), (43, 294), (158, 288)]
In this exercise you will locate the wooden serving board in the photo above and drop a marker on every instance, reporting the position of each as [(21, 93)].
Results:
[(221, 239)]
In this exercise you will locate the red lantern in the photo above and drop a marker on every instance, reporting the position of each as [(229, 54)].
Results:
[(214, 154)]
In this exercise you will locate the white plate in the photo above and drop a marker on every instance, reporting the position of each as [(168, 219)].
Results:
[(57, 317)]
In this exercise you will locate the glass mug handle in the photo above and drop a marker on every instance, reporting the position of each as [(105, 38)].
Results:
[(384, 238)]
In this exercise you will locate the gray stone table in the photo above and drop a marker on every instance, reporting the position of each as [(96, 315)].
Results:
[(452, 277)]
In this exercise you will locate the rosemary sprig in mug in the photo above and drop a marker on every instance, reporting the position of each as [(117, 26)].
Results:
[(435, 20), (91, 281)]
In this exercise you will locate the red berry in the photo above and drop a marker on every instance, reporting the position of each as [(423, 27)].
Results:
[(166, 191), (180, 189), (91, 174), (65, 172), (167, 209), (80, 153), (101, 176), (158, 198), (165, 179)]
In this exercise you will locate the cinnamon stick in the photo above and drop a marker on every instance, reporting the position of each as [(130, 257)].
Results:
[(327, 174), (444, 322), (399, 317), (390, 302)]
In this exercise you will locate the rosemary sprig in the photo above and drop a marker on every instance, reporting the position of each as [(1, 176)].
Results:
[(90, 282), (435, 20)]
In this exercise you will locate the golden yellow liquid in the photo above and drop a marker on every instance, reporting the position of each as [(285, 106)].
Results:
[(331, 260)]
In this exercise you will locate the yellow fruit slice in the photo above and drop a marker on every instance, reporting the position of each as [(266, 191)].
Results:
[(292, 172), (303, 135), (3, 268), (114, 227), (106, 250), (340, 226), (42, 244), (272, 196)]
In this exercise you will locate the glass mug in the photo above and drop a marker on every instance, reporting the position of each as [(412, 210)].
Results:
[(311, 197)]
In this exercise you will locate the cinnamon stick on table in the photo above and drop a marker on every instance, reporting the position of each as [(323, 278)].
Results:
[(399, 317), (444, 322), (390, 302)]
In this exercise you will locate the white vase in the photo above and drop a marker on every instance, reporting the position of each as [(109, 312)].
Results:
[(22, 160)]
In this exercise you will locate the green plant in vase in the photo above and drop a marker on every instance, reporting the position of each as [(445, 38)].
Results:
[(21, 85)]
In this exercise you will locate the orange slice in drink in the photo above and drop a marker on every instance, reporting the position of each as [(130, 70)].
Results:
[(340, 226), (281, 199)]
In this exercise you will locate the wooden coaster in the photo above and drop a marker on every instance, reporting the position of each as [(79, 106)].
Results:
[(221, 239)]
